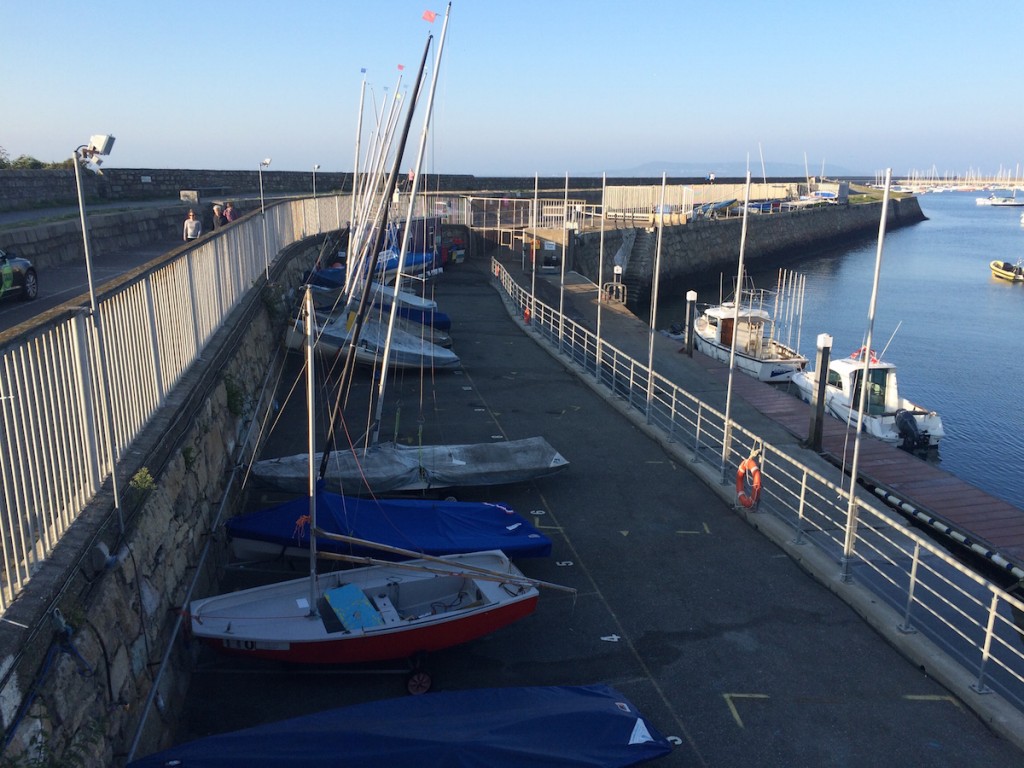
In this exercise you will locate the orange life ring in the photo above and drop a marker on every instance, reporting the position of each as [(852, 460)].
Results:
[(745, 499), (856, 355)]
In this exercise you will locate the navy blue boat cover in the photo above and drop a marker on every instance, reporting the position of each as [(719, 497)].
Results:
[(540, 727), (424, 526)]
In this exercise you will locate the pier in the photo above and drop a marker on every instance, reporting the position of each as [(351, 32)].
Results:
[(708, 626)]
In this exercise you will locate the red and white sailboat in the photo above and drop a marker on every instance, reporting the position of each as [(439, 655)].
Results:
[(375, 613)]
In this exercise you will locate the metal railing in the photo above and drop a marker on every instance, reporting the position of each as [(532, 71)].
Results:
[(56, 448), (977, 623)]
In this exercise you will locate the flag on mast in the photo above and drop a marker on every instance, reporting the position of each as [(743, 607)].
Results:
[(430, 16)]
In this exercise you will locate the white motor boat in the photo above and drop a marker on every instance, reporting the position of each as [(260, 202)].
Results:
[(887, 416), (758, 352)]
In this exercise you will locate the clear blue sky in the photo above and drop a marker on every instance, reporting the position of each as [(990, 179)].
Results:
[(526, 86)]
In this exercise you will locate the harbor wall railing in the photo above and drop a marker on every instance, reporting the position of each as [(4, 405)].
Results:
[(976, 623), (77, 389)]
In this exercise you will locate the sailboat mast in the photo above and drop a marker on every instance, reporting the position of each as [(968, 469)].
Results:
[(727, 438), (311, 447), (851, 512), (355, 163), (370, 263), (408, 223)]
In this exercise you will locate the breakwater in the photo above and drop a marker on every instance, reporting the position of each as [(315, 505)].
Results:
[(704, 247)]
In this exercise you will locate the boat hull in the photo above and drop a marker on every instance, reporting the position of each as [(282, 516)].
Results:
[(406, 350), (425, 526), (389, 467), (375, 613), (582, 726), (1007, 271), (774, 370)]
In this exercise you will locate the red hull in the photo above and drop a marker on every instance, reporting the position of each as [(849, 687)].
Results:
[(388, 646)]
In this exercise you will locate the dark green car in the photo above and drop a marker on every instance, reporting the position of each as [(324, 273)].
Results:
[(17, 277)]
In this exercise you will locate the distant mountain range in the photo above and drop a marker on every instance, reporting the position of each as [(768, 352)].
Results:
[(732, 169)]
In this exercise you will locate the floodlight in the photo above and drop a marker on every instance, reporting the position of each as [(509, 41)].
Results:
[(101, 144)]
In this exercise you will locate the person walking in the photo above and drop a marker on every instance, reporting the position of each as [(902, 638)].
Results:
[(230, 213), (193, 227), (218, 217)]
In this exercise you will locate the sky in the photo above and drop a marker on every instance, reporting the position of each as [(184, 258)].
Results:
[(524, 87)]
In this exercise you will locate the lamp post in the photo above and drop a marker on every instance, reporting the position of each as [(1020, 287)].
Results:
[(90, 155), (315, 204), (265, 163)]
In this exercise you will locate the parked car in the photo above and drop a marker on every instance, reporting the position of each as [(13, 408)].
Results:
[(17, 277)]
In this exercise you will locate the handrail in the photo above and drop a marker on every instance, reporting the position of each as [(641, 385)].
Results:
[(57, 449), (978, 624)]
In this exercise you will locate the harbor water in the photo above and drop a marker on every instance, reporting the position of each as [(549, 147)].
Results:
[(955, 333)]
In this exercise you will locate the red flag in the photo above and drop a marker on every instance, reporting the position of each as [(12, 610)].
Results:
[(401, 66), (429, 16)]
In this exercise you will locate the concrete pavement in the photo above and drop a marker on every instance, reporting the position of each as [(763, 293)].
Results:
[(721, 639)]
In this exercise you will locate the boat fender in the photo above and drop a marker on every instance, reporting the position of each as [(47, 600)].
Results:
[(748, 467), (526, 316)]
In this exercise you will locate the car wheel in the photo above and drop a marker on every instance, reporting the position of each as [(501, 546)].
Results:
[(31, 287)]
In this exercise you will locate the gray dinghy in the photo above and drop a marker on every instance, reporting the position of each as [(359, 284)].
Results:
[(388, 467)]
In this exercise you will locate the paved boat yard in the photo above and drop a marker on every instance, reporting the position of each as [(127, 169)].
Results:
[(719, 636)]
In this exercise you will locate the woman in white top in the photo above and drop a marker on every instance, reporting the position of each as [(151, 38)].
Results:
[(193, 227)]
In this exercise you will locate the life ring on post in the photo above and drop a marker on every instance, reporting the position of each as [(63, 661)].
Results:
[(748, 467)]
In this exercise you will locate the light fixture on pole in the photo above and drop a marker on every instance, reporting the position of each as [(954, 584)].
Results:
[(265, 163), (316, 167), (90, 155)]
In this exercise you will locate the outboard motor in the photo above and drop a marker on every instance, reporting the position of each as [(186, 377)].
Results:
[(912, 437)]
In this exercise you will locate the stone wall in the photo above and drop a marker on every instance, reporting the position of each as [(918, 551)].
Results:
[(711, 246), (60, 242), (75, 683), (25, 189)]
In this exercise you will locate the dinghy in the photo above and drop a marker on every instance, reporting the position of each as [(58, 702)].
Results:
[(539, 727)]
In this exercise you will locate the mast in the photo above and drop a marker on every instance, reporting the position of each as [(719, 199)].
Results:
[(380, 229), (408, 223), (851, 510), (727, 438), (311, 440)]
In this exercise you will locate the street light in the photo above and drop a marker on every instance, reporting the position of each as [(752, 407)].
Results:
[(315, 169), (90, 155), (265, 163)]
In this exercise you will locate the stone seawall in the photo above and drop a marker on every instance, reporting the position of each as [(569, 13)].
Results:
[(711, 246), (24, 189), (75, 683)]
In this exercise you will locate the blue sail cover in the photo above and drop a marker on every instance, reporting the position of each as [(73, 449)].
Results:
[(542, 727), (425, 526)]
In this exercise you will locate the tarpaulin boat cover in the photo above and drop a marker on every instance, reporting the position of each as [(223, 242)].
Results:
[(389, 467), (425, 526), (540, 727)]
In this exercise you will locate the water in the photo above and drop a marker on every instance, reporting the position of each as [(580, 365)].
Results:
[(955, 333)]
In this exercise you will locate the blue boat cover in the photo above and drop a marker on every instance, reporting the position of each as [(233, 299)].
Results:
[(425, 526), (541, 727)]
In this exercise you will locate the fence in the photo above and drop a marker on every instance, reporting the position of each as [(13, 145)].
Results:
[(975, 622), (72, 400)]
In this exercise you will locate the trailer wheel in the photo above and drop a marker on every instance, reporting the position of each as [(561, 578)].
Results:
[(418, 682)]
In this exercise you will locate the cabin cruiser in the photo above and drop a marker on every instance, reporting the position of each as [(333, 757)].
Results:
[(887, 416)]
